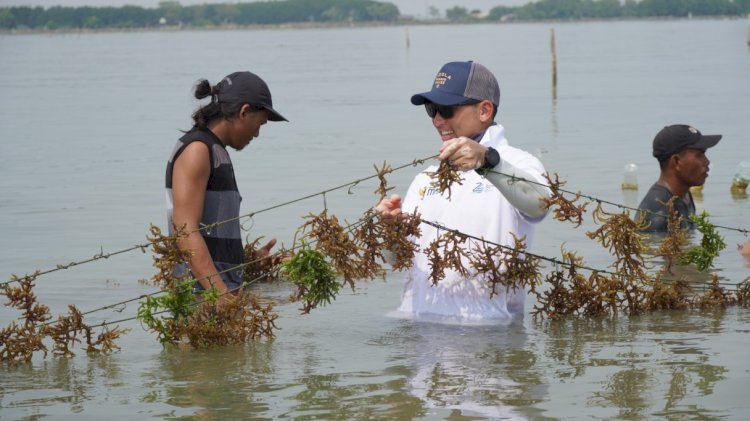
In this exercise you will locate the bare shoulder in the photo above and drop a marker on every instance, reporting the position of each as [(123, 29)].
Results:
[(193, 162)]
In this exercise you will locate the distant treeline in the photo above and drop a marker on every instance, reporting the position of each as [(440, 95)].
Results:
[(172, 13), (609, 9)]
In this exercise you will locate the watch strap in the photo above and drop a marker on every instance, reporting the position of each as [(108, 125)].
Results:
[(491, 159)]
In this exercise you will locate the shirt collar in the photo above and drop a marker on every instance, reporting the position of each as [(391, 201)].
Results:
[(478, 137)]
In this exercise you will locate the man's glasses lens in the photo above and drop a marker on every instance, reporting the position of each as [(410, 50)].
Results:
[(446, 111)]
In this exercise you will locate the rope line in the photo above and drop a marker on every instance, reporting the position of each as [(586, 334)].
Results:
[(350, 185), (514, 178), (350, 227), (554, 261), (144, 246)]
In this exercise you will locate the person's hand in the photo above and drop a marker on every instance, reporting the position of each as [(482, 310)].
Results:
[(228, 297), (389, 207), (275, 259), (463, 153), (745, 251)]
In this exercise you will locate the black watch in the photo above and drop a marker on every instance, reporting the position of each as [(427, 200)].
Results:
[(491, 159)]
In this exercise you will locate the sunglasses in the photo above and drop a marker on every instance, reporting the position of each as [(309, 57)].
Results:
[(446, 111)]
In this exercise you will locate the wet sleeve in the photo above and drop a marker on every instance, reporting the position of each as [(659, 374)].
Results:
[(523, 195)]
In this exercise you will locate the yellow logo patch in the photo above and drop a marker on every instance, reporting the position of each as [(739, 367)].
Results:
[(441, 79)]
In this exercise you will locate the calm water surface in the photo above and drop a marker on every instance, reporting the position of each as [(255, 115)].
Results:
[(87, 122)]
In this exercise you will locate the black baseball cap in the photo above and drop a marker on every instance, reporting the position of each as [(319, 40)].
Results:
[(247, 87), (676, 138)]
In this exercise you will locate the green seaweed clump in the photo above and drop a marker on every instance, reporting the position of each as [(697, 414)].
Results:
[(711, 244), (314, 277)]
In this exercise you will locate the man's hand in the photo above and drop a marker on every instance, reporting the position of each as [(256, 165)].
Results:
[(463, 153), (389, 207)]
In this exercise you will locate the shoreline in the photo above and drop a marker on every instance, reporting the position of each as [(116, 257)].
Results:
[(334, 25)]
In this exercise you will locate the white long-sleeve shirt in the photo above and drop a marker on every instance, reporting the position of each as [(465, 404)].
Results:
[(476, 208)]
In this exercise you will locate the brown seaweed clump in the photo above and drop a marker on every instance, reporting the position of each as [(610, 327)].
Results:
[(743, 293), (446, 175), (259, 267), (506, 267), (447, 252), (672, 295), (18, 343), (383, 188), (377, 236), (560, 299), (345, 254), (715, 296), (571, 293), (671, 247), (622, 237), (234, 321), (178, 315), (563, 209), (355, 253)]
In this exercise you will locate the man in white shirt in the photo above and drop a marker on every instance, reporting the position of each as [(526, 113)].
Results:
[(489, 204)]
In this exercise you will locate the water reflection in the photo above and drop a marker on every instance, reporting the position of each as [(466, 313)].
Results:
[(473, 372), (349, 396), (660, 364), (266, 381), (59, 385), (216, 383)]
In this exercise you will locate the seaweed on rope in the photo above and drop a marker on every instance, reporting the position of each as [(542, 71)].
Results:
[(346, 254), (19, 342), (180, 315), (445, 176)]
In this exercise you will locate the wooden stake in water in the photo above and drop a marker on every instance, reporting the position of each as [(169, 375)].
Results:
[(748, 29), (408, 42), (553, 50)]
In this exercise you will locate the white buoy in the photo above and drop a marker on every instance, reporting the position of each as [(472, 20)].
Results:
[(741, 179), (630, 178)]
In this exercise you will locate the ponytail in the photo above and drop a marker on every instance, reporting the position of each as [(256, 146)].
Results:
[(203, 89), (214, 110)]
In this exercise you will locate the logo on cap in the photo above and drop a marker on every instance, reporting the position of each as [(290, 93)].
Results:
[(441, 79), (693, 130)]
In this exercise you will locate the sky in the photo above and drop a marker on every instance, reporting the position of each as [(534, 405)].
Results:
[(417, 8)]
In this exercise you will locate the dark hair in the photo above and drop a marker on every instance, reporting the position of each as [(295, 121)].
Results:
[(213, 110), (664, 162)]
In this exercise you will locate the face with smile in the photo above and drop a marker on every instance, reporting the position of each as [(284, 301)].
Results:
[(467, 120)]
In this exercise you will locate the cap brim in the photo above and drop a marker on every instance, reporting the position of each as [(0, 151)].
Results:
[(707, 141), (437, 97), (274, 115)]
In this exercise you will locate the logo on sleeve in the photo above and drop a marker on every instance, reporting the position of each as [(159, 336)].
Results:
[(428, 191), (481, 187)]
